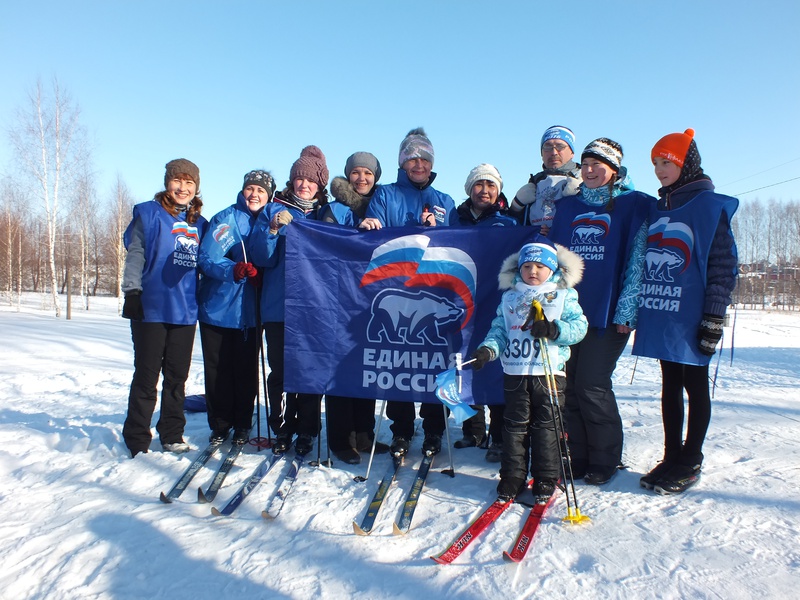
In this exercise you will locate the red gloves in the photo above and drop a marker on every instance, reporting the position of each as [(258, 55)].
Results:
[(244, 269)]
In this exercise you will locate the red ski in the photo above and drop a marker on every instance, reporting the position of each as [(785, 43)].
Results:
[(478, 526), (529, 529)]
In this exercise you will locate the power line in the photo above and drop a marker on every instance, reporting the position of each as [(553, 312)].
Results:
[(760, 173), (766, 186)]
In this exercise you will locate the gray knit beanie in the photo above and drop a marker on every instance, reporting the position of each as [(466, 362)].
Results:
[(363, 159)]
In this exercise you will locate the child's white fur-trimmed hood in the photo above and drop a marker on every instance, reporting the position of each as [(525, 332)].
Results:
[(568, 274)]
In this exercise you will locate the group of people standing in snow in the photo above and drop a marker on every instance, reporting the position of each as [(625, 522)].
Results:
[(598, 257)]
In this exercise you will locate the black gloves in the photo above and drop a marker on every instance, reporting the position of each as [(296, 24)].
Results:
[(132, 308), (482, 355), (709, 334), (544, 329), (538, 324)]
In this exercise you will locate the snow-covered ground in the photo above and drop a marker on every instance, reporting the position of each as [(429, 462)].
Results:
[(83, 520)]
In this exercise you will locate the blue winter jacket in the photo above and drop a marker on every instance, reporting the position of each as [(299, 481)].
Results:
[(269, 251), (339, 213), (497, 214), (349, 207), (222, 301), (401, 204)]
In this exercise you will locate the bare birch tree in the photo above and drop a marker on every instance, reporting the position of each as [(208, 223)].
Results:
[(121, 215), (12, 209), (47, 144), (84, 216)]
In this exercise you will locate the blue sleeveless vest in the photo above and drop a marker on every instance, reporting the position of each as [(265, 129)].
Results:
[(674, 279), (169, 280), (604, 240)]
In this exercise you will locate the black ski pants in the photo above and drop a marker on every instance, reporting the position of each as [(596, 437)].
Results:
[(675, 378), (230, 365), (476, 426), (402, 415), (157, 348), (529, 418), (344, 415), (594, 427), (289, 413)]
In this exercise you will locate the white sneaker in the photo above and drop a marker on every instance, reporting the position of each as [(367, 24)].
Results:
[(176, 448)]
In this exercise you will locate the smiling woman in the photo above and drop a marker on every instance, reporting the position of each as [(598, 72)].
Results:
[(606, 224), (305, 194), (229, 323), (160, 283)]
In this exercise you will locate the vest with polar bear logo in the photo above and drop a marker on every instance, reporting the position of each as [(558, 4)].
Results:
[(604, 239), (169, 280), (674, 280)]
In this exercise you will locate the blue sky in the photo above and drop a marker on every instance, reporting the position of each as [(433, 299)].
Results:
[(243, 84)]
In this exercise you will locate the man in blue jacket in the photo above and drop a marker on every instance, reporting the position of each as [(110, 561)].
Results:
[(411, 201)]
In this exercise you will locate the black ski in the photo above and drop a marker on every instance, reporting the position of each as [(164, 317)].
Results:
[(275, 504), (190, 472), (248, 486), (220, 476)]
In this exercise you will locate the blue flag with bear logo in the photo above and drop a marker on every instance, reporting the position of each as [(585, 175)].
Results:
[(448, 390), (378, 314)]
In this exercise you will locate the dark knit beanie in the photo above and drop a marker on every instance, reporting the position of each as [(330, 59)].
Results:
[(366, 160), (260, 178), (606, 151), (691, 163), (312, 166), (181, 166), (691, 169)]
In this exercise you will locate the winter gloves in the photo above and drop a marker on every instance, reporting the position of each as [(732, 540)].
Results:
[(132, 308), (538, 324), (545, 329), (244, 269), (709, 334), (482, 355), (279, 220)]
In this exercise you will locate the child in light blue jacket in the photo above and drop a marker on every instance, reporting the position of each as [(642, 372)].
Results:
[(547, 274)]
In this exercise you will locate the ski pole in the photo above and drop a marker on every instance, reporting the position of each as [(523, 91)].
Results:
[(263, 380), (259, 441), (452, 470), (374, 442), (318, 462), (258, 413), (327, 438), (573, 514)]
